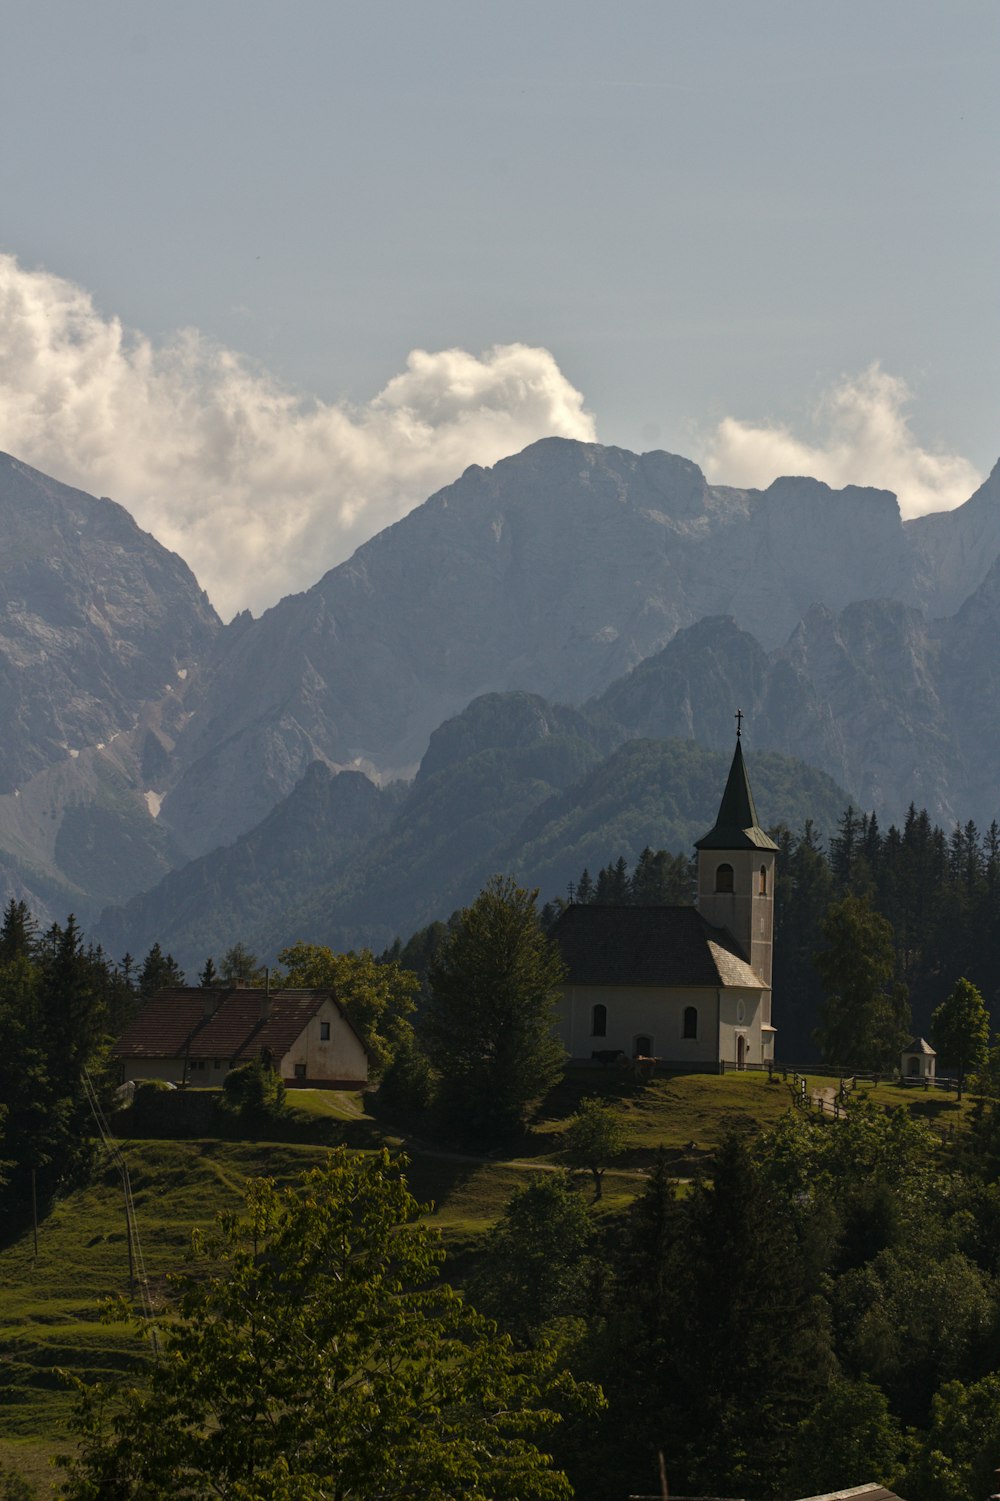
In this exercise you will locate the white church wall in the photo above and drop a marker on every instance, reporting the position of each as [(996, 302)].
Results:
[(744, 1012), (631, 1012)]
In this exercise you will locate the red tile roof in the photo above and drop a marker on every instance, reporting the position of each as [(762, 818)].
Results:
[(230, 1024)]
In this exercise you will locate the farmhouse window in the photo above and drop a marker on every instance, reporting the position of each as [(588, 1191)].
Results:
[(324, 1031), (300, 1071), (599, 1022)]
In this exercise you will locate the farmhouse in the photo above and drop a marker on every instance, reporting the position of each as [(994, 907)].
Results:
[(189, 1035), (689, 986)]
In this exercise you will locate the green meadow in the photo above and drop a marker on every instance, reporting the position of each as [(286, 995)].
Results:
[(51, 1324)]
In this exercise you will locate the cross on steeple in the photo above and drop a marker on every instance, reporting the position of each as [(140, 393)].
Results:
[(738, 716)]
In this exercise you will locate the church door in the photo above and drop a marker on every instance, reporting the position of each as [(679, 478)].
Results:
[(741, 1051)]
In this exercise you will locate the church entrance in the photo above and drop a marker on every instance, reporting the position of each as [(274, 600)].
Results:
[(741, 1051)]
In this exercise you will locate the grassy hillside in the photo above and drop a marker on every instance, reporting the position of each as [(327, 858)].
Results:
[(50, 1312)]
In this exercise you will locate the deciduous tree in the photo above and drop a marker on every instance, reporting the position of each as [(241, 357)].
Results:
[(378, 997), (960, 1029), (535, 1265), (315, 1356), (490, 1023), (595, 1136)]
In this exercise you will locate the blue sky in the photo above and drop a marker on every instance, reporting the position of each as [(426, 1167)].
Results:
[(702, 211)]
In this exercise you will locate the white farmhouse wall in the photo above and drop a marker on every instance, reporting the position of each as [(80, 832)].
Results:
[(342, 1058)]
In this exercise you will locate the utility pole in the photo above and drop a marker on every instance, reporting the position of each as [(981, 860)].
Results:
[(127, 1192)]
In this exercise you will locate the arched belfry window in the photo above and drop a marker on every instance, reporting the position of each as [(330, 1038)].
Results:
[(723, 878), (762, 885), (599, 1022), (690, 1021)]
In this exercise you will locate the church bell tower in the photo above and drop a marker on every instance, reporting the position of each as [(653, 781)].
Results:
[(736, 871)]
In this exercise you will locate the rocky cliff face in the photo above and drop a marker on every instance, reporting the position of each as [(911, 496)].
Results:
[(553, 572), (139, 733), (98, 625), (896, 707)]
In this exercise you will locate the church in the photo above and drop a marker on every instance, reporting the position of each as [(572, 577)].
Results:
[(688, 986)]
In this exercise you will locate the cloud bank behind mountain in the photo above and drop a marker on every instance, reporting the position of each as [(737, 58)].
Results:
[(864, 438), (259, 488)]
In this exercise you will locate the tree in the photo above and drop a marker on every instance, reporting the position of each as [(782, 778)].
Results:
[(19, 933), (254, 1092), (490, 1022), (960, 1030), (378, 997), (535, 1265), (53, 1020), (209, 975), (595, 1136), (863, 1017), (747, 1318), (238, 963), (849, 1437), (955, 1457), (159, 971), (315, 1356)]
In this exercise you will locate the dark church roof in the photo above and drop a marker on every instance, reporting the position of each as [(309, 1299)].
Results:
[(736, 827), (649, 946)]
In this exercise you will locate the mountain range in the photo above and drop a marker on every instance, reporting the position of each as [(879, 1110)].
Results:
[(519, 646)]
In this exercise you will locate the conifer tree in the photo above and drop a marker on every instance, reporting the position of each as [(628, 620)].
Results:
[(159, 971)]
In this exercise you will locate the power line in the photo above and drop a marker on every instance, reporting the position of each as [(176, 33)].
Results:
[(138, 1277)]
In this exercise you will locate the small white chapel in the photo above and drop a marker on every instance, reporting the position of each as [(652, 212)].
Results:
[(688, 986)]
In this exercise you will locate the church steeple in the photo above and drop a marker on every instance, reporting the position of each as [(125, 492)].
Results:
[(736, 871), (736, 827)]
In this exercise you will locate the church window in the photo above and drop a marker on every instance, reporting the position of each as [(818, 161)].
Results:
[(599, 1021), (724, 878), (762, 885), (643, 1047), (741, 1011), (690, 1021)]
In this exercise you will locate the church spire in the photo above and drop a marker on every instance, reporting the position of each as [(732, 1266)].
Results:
[(736, 827)]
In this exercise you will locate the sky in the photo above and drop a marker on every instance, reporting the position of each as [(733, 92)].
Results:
[(270, 275)]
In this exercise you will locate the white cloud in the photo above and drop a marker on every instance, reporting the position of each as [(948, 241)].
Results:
[(257, 488), (865, 439)]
